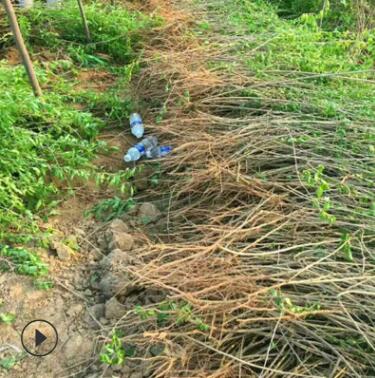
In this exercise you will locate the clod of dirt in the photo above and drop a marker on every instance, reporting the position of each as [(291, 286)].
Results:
[(63, 251), (123, 241), (80, 233), (103, 321), (116, 259), (77, 345), (142, 179), (136, 375), (101, 240), (117, 225), (157, 349), (112, 284), (117, 236), (95, 254), (75, 310), (87, 293), (114, 309), (97, 310), (148, 213)]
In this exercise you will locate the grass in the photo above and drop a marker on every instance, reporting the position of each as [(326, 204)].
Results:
[(303, 67)]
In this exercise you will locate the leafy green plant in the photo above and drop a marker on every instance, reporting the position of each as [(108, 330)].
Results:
[(111, 208), (113, 352), (39, 139), (299, 48), (7, 318), (8, 363), (71, 242), (332, 14), (22, 261), (47, 144), (170, 311), (145, 314), (315, 180), (115, 31), (43, 285), (346, 246), (284, 303), (117, 180)]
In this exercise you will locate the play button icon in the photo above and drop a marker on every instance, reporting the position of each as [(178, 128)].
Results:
[(39, 338)]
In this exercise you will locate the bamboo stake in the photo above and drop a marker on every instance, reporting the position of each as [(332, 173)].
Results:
[(22, 48), (84, 20)]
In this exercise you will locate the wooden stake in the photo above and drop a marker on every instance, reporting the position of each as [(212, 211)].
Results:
[(21, 47), (84, 20)]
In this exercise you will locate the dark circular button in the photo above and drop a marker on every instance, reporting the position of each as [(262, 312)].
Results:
[(39, 338)]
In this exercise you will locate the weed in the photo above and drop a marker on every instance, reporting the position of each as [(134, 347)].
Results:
[(284, 303), (72, 243), (115, 31), (7, 318), (314, 179), (113, 353), (180, 314), (311, 55), (43, 285), (331, 14), (22, 261), (8, 362), (162, 113), (38, 140), (46, 144), (111, 208), (346, 246)]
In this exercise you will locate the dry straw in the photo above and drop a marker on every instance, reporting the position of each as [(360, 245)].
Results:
[(243, 241)]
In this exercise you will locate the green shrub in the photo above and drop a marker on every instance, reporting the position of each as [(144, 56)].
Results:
[(42, 141), (114, 31), (22, 261), (47, 144)]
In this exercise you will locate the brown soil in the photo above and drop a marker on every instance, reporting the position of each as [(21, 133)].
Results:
[(95, 80), (120, 140), (12, 56), (64, 306)]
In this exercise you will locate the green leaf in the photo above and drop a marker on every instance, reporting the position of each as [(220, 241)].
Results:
[(7, 318), (8, 363)]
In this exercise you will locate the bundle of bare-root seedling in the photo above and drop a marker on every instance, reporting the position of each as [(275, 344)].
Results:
[(267, 259)]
